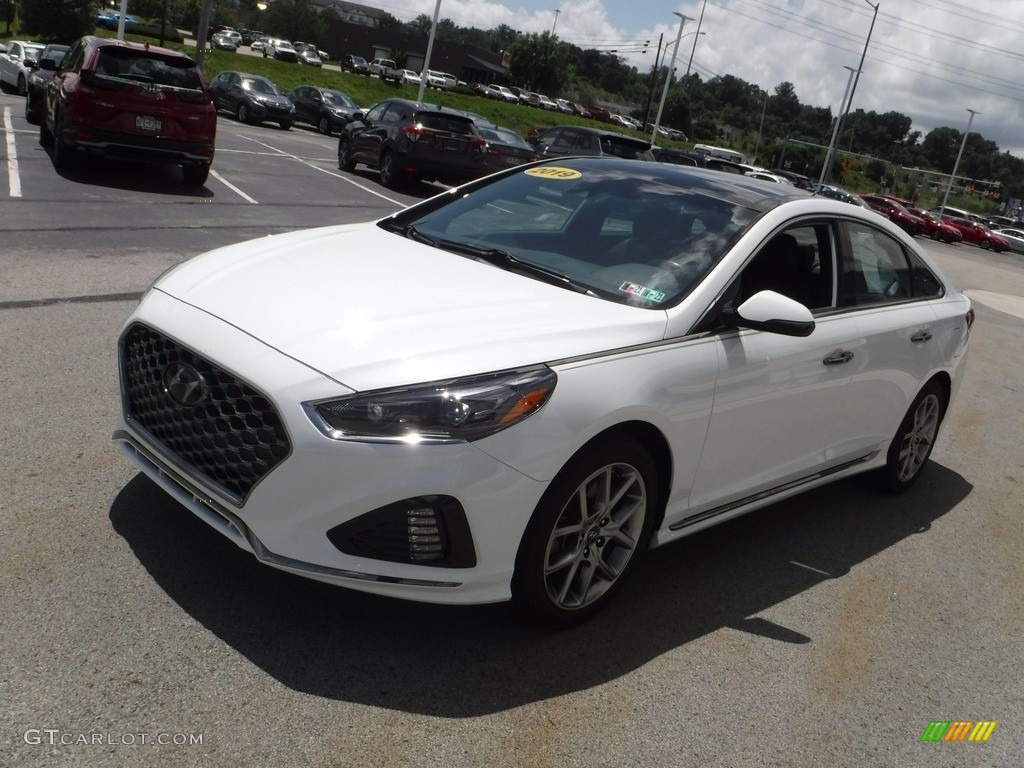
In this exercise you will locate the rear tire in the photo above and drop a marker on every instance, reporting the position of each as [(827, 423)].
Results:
[(912, 446), (389, 176), (195, 175), (590, 528), (22, 85)]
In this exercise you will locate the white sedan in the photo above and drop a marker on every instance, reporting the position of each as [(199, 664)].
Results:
[(515, 390), (410, 78), (13, 68)]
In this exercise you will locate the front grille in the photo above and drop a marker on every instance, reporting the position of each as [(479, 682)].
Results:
[(232, 436)]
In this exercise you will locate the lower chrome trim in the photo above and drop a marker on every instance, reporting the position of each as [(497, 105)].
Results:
[(733, 505), (230, 525)]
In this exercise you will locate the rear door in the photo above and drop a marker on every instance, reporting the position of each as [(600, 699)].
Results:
[(887, 290)]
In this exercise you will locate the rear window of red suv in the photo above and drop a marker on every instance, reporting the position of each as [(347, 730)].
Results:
[(148, 67)]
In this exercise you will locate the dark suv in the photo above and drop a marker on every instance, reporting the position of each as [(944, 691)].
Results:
[(576, 140), (357, 65), (116, 98), (408, 141)]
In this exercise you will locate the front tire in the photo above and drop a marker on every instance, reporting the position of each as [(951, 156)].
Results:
[(324, 125), (63, 155), (22, 86), (242, 113), (345, 161), (912, 446), (985, 244), (590, 528)]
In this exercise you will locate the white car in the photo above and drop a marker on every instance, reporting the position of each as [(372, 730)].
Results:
[(501, 93), (440, 80), (410, 78), (516, 390), (13, 69), (1015, 237)]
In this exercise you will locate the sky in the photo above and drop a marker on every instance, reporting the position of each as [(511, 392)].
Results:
[(932, 60)]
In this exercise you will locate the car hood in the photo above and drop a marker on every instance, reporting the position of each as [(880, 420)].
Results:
[(372, 309)]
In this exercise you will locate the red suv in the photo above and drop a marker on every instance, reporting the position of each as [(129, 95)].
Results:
[(121, 99)]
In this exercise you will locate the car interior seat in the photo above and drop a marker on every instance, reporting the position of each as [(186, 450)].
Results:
[(783, 266)]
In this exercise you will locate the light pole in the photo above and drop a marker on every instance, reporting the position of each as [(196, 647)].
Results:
[(553, 23), (835, 130), (430, 47), (863, 54), (668, 77), (699, 33), (956, 165)]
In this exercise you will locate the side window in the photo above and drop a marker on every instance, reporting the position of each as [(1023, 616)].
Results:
[(924, 282), (75, 57), (565, 140), (797, 262), (585, 141), (393, 114), (875, 268), (373, 116)]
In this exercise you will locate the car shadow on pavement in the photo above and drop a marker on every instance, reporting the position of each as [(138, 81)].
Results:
[(454, 661), (163, 179)]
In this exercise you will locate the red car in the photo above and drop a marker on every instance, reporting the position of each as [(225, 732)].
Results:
[(936, 228), (978, 234), (898, 215), (120, 99)]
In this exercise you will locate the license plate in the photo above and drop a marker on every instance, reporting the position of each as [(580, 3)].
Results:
[(147, 123), (453, 145)]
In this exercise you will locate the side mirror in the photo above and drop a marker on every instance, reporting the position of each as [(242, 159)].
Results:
[(772, 312), (48, 64)]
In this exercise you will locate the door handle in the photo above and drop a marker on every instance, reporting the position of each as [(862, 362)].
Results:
[(921, 336), (838, 357)]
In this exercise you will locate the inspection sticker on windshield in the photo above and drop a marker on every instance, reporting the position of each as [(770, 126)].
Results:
[(553, 172), (644, 293)]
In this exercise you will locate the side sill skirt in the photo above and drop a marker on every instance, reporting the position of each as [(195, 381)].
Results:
[(793, 484)]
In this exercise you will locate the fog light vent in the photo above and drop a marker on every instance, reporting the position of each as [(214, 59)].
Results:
[(427, 530)]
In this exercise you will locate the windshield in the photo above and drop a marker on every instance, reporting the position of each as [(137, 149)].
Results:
[(259, 85), (338, 99), (628, 236)]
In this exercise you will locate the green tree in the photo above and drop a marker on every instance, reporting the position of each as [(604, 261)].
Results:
[(294, 20), (62, 20), (388, 22), (538, 61)]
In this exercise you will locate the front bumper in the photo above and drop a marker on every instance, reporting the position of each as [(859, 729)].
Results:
[(322, 483)]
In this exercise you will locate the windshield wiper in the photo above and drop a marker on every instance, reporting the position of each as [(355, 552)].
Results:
[(506, 260)]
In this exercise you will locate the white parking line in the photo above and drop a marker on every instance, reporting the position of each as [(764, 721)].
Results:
[(13, 177), (346, 179), (232, 187)]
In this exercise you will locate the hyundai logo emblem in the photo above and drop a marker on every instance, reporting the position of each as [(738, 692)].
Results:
[(184, 384)]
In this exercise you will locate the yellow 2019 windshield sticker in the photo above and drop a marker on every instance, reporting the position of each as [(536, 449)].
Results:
[(553, 172)]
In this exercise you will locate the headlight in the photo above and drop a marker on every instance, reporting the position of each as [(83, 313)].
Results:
[(446, 411)]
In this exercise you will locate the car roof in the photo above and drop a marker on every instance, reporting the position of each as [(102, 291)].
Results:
[(110, 42)]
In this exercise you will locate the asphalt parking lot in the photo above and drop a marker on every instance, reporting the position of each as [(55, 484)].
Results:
[(829, 629)]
